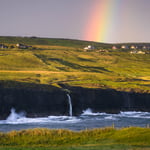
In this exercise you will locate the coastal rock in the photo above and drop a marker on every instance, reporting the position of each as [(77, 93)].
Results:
[(37, 102)]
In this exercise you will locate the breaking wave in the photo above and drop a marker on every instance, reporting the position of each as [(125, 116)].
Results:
[(20, 118), (128, 114), (88, 119)]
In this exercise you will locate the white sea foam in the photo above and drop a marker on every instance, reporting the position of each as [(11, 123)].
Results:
[(125, 114), (89, 112), (135, 114), (110, 117), (20, 118)]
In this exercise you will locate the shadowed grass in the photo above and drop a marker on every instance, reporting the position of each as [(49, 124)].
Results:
[(114, 147)]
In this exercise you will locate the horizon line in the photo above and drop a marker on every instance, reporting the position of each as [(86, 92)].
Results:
[(129, 42)]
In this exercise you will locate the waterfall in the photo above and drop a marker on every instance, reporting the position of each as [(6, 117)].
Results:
[(70, 105)]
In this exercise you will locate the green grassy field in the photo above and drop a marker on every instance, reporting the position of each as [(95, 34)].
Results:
[(103, 138), (58, 61)]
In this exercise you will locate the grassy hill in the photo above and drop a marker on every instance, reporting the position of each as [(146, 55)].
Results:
[(51, 41), (64, 61)]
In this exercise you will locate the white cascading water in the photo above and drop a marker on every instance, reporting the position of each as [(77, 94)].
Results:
[(70, 105)]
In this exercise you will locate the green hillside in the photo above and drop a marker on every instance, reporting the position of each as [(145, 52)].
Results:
[(64, 61), (50, 41)]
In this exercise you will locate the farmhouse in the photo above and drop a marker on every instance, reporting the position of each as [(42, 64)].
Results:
[(22, 46), (89, 47), (132, 47), (140, 52), (120, 47), (137, 52), (140, 47), (146, 47), (114, 47), (3, 46), (124, 47)]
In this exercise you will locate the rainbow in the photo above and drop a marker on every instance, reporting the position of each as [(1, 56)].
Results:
[(102, 20)]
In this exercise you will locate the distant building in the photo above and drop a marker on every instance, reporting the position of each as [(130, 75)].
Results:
[(133, 47), (146, 47), (89, 47), (114, 47), (137, 52), (140, 52), (124, 47), (3, 46), (133, 52), (140, 47), (22, 46), (120, 47)]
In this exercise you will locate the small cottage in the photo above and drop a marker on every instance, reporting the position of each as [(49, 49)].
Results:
[(137, 52), (124, 47), (22, 46), (89, 47), (133, 47), (114, 47), (140, 52), (3, 46)]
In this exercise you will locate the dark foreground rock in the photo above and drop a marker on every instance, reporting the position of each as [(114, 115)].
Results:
[(38, 102)]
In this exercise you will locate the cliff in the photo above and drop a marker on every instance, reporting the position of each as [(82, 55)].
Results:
[(109, 100), (44, 102)]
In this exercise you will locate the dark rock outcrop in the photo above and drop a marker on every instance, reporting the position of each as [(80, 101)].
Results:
[(34, 103), (39, 102), (108, 100)]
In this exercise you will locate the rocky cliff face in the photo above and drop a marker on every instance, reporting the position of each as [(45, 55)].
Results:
[(38, 102), (109, 100), (34, 103)]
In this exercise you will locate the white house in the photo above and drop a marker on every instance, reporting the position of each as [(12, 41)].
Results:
[(89, 47), (137, 52), (114, 47), (22, 46), (124, 47), (133, 47), (3, 46)]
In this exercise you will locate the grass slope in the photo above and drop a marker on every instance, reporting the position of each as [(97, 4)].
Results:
[(103, 138), (50, 41), (64, 61)]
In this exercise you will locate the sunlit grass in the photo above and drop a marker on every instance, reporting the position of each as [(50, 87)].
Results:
[(104, 138), (57, 62)]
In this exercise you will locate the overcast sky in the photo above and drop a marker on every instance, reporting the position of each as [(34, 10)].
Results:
[(69, 18)]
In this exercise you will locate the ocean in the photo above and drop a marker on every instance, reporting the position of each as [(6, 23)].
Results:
[(87, 120)]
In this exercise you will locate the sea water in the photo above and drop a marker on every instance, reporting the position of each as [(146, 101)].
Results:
[(87, 120)]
